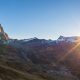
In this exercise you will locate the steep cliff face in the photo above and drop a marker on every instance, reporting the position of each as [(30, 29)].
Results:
[(3, 35)]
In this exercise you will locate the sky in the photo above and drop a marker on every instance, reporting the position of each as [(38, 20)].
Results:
[(47, 19)]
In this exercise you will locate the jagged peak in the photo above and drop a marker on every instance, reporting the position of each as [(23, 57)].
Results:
[(69, 39), (1, 29), (3, 35)]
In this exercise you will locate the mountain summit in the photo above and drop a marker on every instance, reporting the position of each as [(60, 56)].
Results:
[(3, 35), (69, 39)]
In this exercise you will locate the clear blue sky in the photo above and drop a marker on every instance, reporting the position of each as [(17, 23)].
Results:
[(40, 18)]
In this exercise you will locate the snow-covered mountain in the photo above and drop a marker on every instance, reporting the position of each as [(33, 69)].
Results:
[(69, 39)]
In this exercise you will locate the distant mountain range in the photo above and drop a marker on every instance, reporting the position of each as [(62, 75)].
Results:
[(39, 59)]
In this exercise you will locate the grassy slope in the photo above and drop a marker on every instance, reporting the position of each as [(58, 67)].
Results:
[(10, 73)]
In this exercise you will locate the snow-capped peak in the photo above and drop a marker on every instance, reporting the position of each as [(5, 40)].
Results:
[(69, 39), (25, 40)]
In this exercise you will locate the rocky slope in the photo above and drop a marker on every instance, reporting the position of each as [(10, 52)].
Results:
[(17, 64)]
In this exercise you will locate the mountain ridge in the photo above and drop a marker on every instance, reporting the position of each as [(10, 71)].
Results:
[(40, 59)]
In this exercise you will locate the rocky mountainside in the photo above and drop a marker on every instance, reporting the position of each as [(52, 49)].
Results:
[(39, 59), (3, 35)]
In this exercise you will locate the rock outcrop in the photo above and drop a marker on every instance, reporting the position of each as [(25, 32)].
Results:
[(3, 35)]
